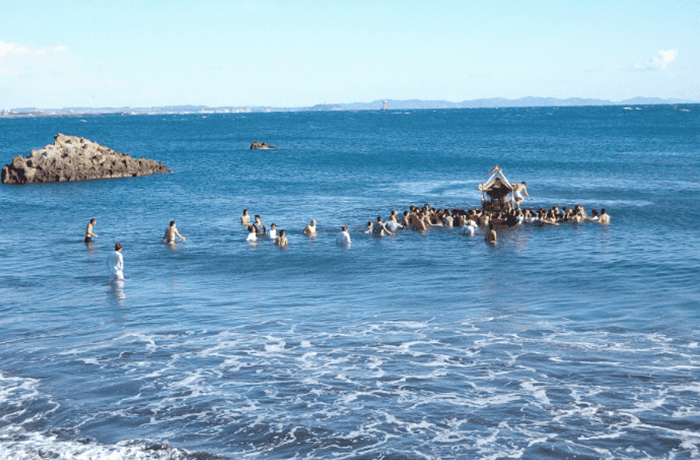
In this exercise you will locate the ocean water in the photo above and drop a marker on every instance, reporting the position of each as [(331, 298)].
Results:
[(577, 341)]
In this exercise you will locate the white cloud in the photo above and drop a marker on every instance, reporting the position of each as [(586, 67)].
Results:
[(11, 48), (665, 58), (14, 48), (660, 61)]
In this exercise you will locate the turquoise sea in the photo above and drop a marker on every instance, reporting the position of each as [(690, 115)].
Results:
[(577, 341)]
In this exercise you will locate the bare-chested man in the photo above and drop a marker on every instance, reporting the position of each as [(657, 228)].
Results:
[(518, 190), (281, 240), (310, 229), (419, 224), (406, 221), (435, 219), (577, 216), (549, 218), (484, 220), (491, 235), (88, 231), (170, 234), (604, 217), (580, 214), (245, 218)]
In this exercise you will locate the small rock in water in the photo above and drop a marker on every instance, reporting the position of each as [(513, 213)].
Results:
[(261, 145), (72, 158)]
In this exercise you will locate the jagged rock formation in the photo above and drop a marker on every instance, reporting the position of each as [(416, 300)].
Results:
[(261, 145), (72, 158)]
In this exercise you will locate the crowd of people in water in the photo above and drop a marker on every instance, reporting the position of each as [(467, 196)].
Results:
[(415, 218), (420, 219)]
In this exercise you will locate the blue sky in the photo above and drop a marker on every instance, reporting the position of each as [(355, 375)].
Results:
[(75, 53)]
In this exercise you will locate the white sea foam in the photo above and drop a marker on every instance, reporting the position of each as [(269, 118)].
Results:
[(409, 368), (275, 347), (539, 393), (36, 446)]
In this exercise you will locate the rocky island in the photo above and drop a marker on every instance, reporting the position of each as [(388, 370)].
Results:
[(72, 158)]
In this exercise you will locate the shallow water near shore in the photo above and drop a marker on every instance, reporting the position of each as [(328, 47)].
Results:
[(577, 341)]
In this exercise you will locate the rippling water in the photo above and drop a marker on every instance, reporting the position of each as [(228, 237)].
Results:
[(578, 341)]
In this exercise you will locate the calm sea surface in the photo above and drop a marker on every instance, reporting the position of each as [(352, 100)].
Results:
[(577, 341)]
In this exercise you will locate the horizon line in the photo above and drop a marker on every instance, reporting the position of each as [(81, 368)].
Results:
[(415, 104)]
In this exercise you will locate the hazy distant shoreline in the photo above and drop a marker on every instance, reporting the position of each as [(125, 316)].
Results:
[(412, 104)]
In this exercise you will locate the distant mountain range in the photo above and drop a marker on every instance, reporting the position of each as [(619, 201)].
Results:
[(375, 105)]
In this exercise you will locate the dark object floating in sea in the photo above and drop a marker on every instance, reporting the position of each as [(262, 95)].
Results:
[(262, 145), (72, 158)]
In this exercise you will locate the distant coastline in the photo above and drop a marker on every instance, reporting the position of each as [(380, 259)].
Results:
[(412, 104)]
